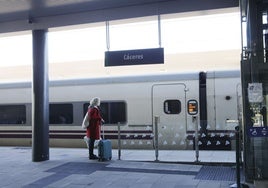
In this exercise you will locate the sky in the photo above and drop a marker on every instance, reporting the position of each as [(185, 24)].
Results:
[(178, 35)]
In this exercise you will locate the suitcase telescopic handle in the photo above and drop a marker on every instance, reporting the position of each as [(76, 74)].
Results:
[(102, 129)]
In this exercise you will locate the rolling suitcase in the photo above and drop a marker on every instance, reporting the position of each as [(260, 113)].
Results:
[(105, 149)]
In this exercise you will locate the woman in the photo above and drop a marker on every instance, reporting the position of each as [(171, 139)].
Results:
[(93, 130)]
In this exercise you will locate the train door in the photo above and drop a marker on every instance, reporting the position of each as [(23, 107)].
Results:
[(168, 105)]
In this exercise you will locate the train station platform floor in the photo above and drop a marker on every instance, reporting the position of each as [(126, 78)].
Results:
[(71, 168)]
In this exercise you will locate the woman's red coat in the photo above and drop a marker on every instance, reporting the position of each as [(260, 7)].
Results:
[(93, 130)]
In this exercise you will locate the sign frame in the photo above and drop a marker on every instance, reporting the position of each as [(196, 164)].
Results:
[(134, 57)]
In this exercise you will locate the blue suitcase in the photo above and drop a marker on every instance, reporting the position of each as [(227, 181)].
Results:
[(105, 150)]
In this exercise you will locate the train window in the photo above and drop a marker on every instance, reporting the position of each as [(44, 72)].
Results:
[(60, 113), (112, 112), (172, 106), (12, 114), (85, 107)]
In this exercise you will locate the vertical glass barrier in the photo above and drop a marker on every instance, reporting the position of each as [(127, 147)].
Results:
[(258, 130), (254, 73)]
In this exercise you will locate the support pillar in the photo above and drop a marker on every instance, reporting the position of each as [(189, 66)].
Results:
[(40, 100)]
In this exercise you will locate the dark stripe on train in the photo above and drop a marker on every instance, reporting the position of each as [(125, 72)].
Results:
[(214, 131), (213, 142), (82, 132), (125, 135), (225, 133)]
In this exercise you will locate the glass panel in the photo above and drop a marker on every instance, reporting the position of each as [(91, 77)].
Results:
[(85, 107), (21, 45), (215, 32), (172, 106), (133, 34), (77, 44), (12, 114), (60, 114), (112, 112), (116, 112)]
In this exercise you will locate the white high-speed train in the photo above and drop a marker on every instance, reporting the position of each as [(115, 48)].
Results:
[(133, 104)]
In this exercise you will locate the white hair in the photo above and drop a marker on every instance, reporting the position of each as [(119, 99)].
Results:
[(95, 101)]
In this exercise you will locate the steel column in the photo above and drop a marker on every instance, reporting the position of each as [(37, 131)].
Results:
[(40, 100)]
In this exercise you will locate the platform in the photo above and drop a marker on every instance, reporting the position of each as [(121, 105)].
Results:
[(70, 168)]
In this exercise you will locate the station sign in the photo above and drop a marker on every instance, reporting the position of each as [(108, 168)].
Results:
[(192, 107), (134, 57)]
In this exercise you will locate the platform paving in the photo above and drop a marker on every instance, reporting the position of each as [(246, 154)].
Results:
[(70, 168)]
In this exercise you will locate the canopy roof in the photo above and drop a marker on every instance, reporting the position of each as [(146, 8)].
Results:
[(21, 15)]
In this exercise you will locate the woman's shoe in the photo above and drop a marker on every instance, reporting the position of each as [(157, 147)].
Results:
[(93, 157)]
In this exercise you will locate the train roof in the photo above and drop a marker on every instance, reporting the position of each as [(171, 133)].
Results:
[(224, 74), (129, 79)]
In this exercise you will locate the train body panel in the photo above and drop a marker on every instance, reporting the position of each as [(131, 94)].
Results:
[(222, 101), (130, 102)]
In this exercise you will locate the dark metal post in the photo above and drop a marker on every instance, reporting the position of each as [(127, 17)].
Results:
[(119, 141), (237, 138), (40, 102), (196, 139), (156, 122)]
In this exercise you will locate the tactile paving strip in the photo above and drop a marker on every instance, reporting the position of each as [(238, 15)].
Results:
[(221, 173)]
